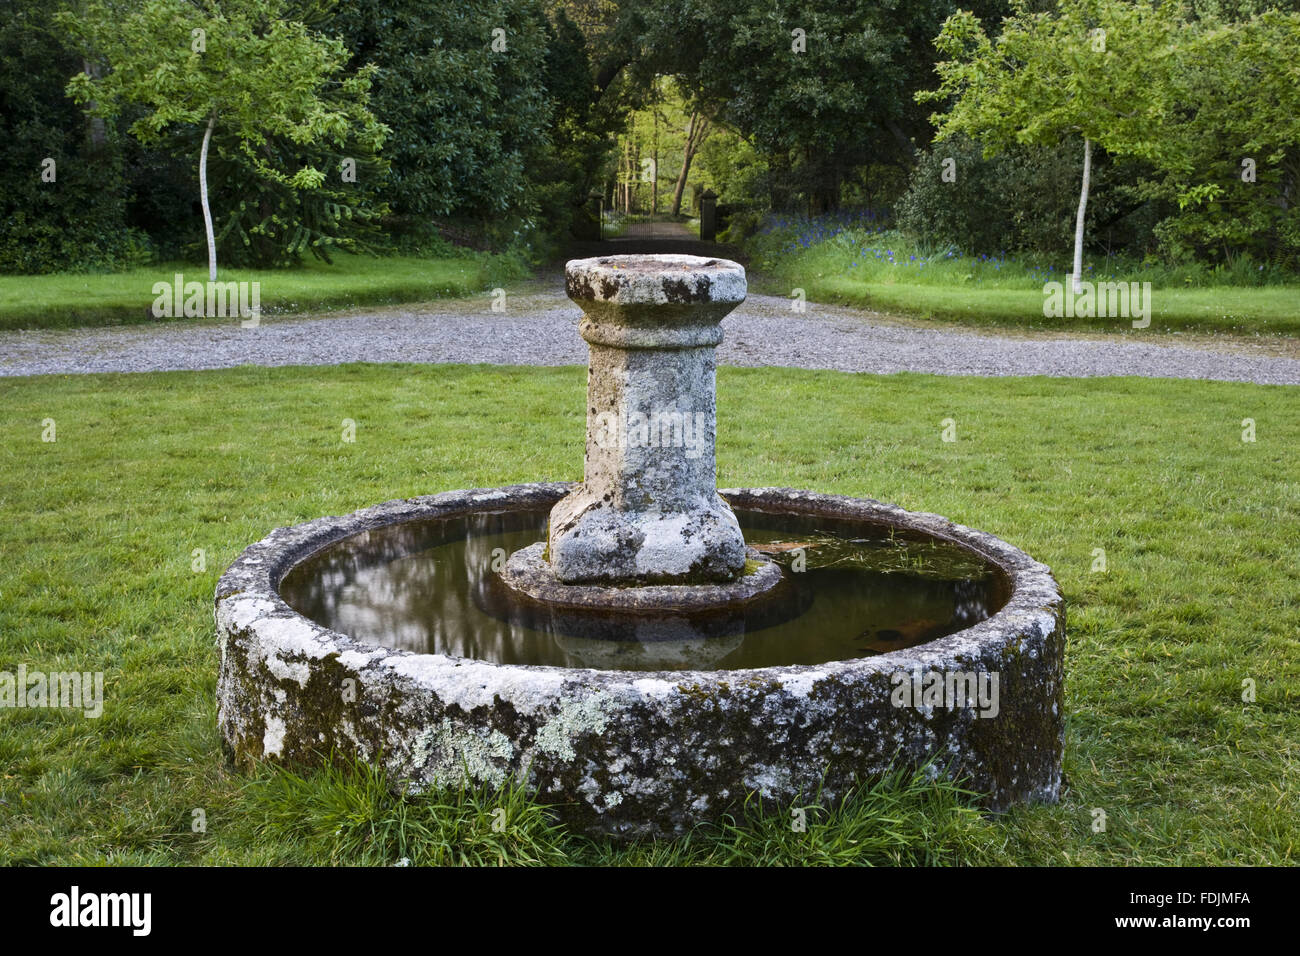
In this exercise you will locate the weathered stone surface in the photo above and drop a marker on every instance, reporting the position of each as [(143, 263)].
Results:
[(528, 574), (647, 510), (638, 753)]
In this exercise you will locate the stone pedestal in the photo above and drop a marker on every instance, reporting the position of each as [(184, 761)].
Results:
[(648, 510)]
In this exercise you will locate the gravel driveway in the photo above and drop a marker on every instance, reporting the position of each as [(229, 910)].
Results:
[(539, 327)]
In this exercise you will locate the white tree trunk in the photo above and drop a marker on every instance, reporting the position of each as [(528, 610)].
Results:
[(97, 128), (203, 195), (1078, 223)]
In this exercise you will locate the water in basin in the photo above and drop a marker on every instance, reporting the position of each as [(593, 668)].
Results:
[(429, 586)]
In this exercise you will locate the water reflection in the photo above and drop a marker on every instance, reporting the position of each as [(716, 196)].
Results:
[(429, 586)]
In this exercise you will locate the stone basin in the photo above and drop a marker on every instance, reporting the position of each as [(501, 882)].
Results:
[(642, 753)]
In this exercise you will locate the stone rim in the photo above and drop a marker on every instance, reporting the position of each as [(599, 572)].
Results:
[(256, 574)]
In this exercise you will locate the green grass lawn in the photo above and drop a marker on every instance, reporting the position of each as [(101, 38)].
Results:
[(1241, 311), (1201, 592), (65, 299), (883, 271)]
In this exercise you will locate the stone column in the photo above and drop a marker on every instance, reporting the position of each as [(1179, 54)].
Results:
[(648, 509)]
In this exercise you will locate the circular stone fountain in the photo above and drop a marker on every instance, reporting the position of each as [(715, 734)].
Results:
[(642, 650)]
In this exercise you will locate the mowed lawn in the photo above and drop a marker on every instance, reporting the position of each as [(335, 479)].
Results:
[(1201, 592), (68, 299), (884, 270), (1218, 309)]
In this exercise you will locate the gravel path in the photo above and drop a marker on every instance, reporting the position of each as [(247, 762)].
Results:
[(539, 327)]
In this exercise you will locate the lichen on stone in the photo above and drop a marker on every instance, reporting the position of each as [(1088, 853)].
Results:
[(452, 754), (574, 718)]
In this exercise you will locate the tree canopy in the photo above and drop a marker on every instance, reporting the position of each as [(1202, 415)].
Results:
[(244, 66), (315, 125)]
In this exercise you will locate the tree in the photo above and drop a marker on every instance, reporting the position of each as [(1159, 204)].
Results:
[(63, 194), (582, 127), (1097, 69), (1235, 174), (245, 67), (461, 83), (696, 132), (817, 86)]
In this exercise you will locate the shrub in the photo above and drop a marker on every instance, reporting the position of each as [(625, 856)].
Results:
[(1019, 200), (75, 222), (1024, 200)]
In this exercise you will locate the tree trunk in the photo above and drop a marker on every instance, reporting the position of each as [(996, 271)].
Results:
[(905, 145), (654, 171), (203, 197), (681, 178), (627, 178), (778, 180), (620, 179), (824, 183), (633, 173), (694, 139), (609, 71), (1078, 223), (96, 130)]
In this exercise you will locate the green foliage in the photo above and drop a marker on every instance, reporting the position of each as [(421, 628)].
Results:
[(503, 145), (162, 200), (1236, 178), (652, 145), (271, 220), (76, 222), (813, 115), (734, 169), (498, 143), (1021, 199), (1192, 95), (1094, 68), (471, 123), (275, 91), (984, 203), (579, 140), (499, 147), (881, 269)]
